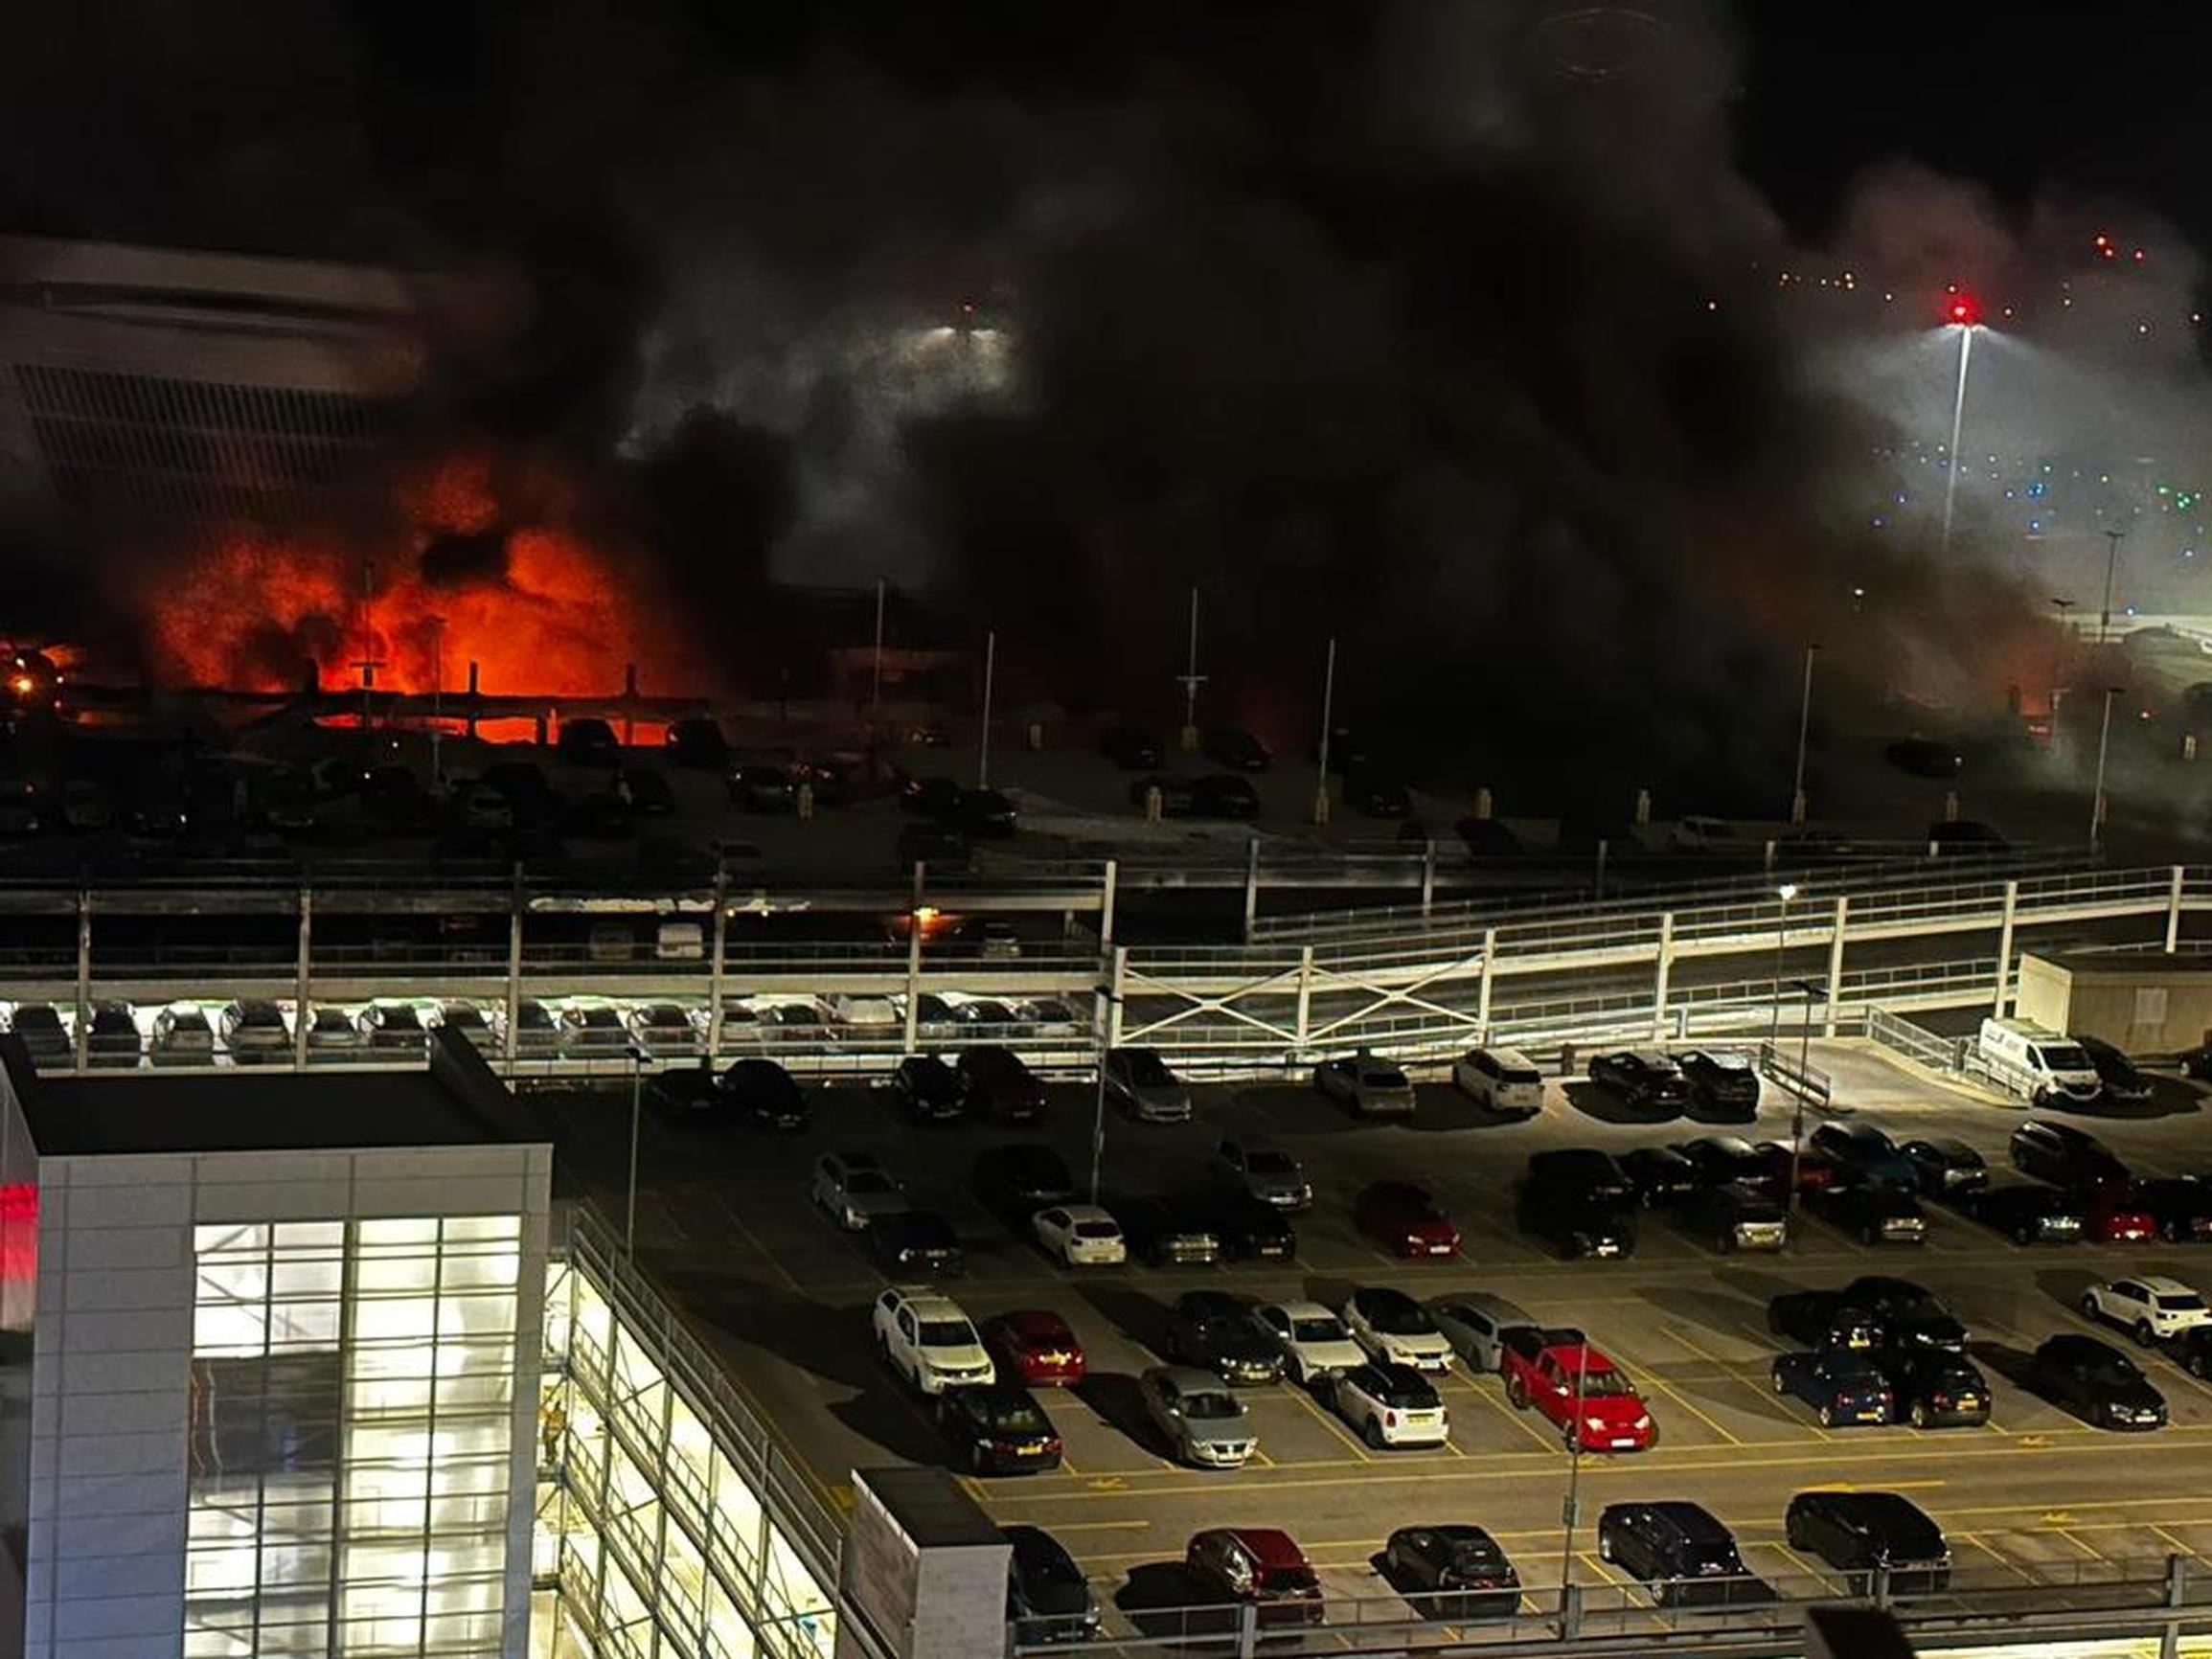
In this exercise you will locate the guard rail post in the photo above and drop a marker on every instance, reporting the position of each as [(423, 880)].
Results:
[(1427, 876), (1834, 965), (1106, 903), (1248, 1630), (83, 1031), (1305, 995), (1115, 987), (2173, 910), (1482, 991), (2005, 946), (1570, 1612), (718, 966), (913, 973), (1251, 885), (1666, 967), (510, 1043), (2176, 1596), (304, 1014)]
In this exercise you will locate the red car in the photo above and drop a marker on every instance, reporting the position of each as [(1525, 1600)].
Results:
[(1815, 1170), (2112, 1215), (1405, 1219), (1257, 1564), (1589, 1399), (1035, 1348)]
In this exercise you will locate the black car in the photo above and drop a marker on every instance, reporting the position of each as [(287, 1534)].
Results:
[(1874, 1214), (915, 1241), (1944, 1166), (1680, 1553), (113, 1040), (930, 1090), (1842, 1386), (1452, 1572), (1910, 1315), (2180, 1204), (1249, 1228), (1217, 1331), (1863, 1154), (935, 845), (1661, 1176), (2122, 1082), (995, 1082), (1932, 1389), (587, 740), (763, 786), (537, 805), (1721, 1082), (688, 1098), (1487, 838), (1019, 1179), (1823, 1320), (1131, 748), (1224, 795), (1577, 1199), (696, 742), (2064, 1156), (1722, 1160), (1234, 747), (997, 1428), (937, 797), (1736, 1217), (1179, 796), (602, 816), (1172, 1232), (764, 1095), (1966, 838), (985, 813), (1924, 757), (1376, 791), (2027, 1212), (1643, 1079), (2191, 1350), (2095, 1381), (40, 1027), (1864, 1534), (1048, 1600)]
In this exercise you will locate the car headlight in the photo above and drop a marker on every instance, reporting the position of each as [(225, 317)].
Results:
[(1644, 1421), (1594, 1423), (904, 1256)]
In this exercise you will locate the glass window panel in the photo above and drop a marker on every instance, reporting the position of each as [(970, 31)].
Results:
[(305, 1325), (558, 1295), (229, 1236), (310, 1238), (202, 1643), (394, 1319), (488, 1229), (787, 1585), (485, 1270), (390, 1274), (291, 1280), (390, 1230)]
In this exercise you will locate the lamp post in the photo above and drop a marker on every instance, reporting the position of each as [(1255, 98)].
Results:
[(1785, 893), (1570, 1507), (2097, 800), (1804, 726), (2112, 539), (1963, 313), (876, 670), (1804, 1069), (1328, 705), (2058, 662), (636, 1114), (983, 744), (1191, 680)]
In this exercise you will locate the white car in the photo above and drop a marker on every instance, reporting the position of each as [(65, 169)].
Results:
[(1394, 1330), (1390, 1405), (854, 1190), (1502, 1080), (2154, 1307), (1081, 1235), (1475, 1324), (1701, 834), (926, 1339), (1313, 1340), (1372, 1086)]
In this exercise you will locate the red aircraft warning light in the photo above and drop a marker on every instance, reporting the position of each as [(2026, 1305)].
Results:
[(1963, 309)]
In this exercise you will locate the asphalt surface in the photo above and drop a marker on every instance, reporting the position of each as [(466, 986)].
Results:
[(2036, 1496)]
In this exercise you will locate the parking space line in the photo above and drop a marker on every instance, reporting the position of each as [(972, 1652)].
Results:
[(2089, 1550), (751, 1238), (2178, 1546), (2005, 1562), (1520, 1420), (1334, 1427)]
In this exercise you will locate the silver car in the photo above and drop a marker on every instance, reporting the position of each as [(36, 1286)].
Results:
[(1475, 1323), (1371, 1087), (1205, 1423), (1262, 1168), (854, 1190), (1139, 1081)]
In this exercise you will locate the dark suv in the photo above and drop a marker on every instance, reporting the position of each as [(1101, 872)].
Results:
[(1680, 1552), (1721, 1083), (995, 1082), (2064, 1156), (1640, 1077), (1578, 1200), (1860, 1532)]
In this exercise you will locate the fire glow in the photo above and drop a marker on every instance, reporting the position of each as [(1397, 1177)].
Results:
[(535, 606)]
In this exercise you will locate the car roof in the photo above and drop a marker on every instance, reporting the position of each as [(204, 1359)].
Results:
[(929, 1303), (1188, 1378), (1212, 1302), (1036, 1545), (1084, 1212), (1033, 1321), (1691, 1521), (1302, 1309), (1367, 1295), (1877, 1506), (1489, 1301), (2158, 1284), (1943, 1145), (2075, 1346), (1269, 1546)]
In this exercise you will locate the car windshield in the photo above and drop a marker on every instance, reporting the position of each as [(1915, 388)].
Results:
[(1287, 1580), (1270, 1163), (2116, 1370), (1012, 1416), (2064, 1058), (1147, 1070), (1520, 1075), (1400, 1319), (1210, 1407), (2181, 1302), (947, 1334), (865, 1181), (1469, 1557), (1384, 1078), (1606, 1385), (1320, 1328), (1097, 1230)]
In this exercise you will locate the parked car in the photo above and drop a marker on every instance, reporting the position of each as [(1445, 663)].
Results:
[(113, 1041), (1842, 1386), (1452, 1572), (1256, 1565), (688, 1098), (2027, 1212), (1720, 1081), (1176, 1230), (1932, 1387), (998, 1429), (1262, 1168), (39, 1025), (1661, 1176), (763, 786), (1131, 748), (764, 1095), (588, 741), (1138, 1080), (1405, 1219), (1874, 1214), (1234, 747), (1789, 1162), (333, 1038), (1941, 1165), (1035, 1348), (1475, 1324), (1723, 1160), (1202, 1421), (996, 1084), (2180, 1204), (915, 1241), (1926, 757), (1736, 1217), (2154, 1307), (1578, 1200), (1865, 1154), (1249, 1229), (1019, 1178), (1080, 1236), (1048, 1600), (1390, 1405), (1588, 1397), (1864, 1533), (929, 1090), (1395, 1330), (1314, 1341), (2095, 1381), (1911, 1315), (1680, 1552), (1367, 1084), (1500, 1080), (1643, 1078), (663, 1027), (1224, 795), (533, 1030), (984, 815), (928, 1340), (2062, 1155), (1825, 1321), (394, 1027), (1219, 1332), (181, 1036), (2124, 1084), (854, 1190)]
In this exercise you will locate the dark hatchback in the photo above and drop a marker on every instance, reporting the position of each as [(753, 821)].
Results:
[(1217, 1331), (1020, 1178), (1931, 1389), (915, 1241), (1910, 1314), (2027, 1212), (1641, 1078), (764, 1095), (2180, 1204), (1681, 1553), (2124, 1083), (1172, 1232), (1661, 1176), (688, 1098), (1250, 1229), (1048, 1600), (1723, 1082), (1840, 1386), (995, 1081), (1873, 1213), (1236, 748), (1943, 1167), (998, 1429), (1452, 1572), (930, 1090), (2097, 1382), (1866, 1533)]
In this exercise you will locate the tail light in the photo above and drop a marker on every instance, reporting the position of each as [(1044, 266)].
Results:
[(1939, 1400), (1389, 1420)]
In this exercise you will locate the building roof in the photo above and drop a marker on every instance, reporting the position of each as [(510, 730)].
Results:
[(454, 1101)]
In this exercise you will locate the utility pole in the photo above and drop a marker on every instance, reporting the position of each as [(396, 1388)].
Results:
[(2059, 662), (983, 746), (1804, 726), (1328, 705), (1191, 680), (2112, 557), (2097, 800), (875, 675)]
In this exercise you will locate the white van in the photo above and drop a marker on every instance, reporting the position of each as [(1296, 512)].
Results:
[(2042, 1064), (1503, 1079)]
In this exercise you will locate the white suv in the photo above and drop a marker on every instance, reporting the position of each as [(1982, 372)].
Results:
[(1503, 1079), (1394, 1327), (2152, 1307), (1313, 1340), (926, 1338)]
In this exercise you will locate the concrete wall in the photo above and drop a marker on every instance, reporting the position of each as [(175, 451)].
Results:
[(2161, 1007)]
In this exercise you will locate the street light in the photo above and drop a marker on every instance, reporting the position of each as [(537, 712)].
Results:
[(2112, 557), (1570, 1507), (1961, 313), (2097, 800), (1804, 724), (1804, 1070), (2058, 662), (1785, 893), (637, 1113)]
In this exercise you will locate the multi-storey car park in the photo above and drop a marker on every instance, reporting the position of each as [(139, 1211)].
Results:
[(708, 1394)]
